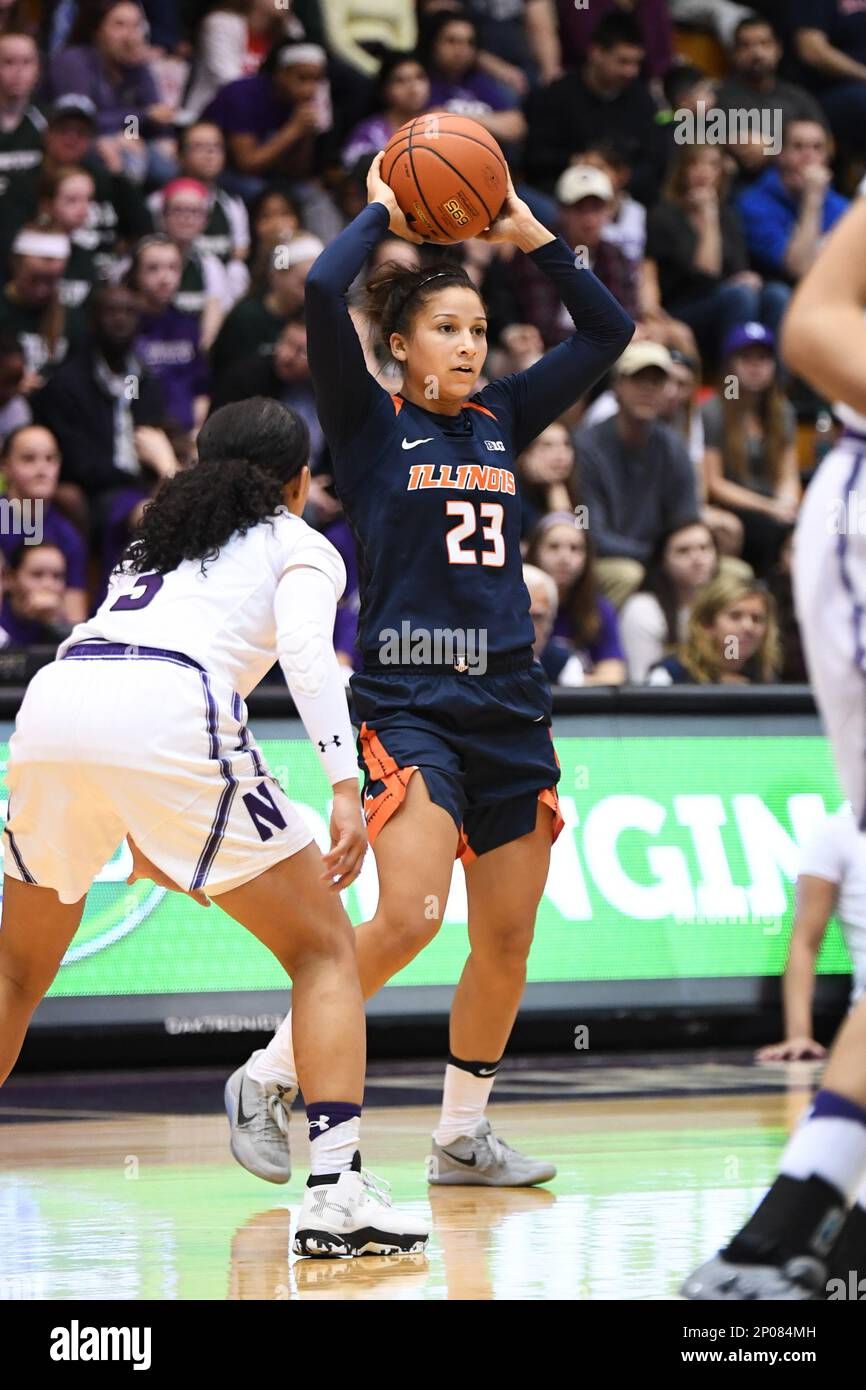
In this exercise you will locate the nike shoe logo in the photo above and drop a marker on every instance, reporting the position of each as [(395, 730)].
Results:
[(491, 1071), (242, 1118), (467, 1162), (413, 443)]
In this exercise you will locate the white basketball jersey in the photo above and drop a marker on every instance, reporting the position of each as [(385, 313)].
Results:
[(223, 618)]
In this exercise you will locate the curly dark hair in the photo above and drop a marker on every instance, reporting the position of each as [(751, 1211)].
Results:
[(247, 452), (395, 293)]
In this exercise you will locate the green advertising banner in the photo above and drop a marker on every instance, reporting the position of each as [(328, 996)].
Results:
[(678, 860)]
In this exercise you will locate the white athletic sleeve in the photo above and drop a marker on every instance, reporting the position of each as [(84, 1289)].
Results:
[(824, 855), (305, 605)]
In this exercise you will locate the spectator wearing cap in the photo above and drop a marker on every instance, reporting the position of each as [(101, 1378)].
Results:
[(254, 324), (204, 285), (94, 403), (21, 123), (232, 42), (627, 225), (30, 464), (787, 213), (278, 126), (584, 648), (14, 406), (698, 257), (30, 303), (584, 198), (402, 92), (634, 455), (106, 63), (606, 94), (117, 213), (226, 233), (750, 463)]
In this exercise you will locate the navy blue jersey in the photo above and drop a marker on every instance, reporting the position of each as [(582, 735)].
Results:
[(432, 499)]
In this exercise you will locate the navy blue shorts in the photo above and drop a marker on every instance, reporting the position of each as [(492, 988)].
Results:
[(481, 743)]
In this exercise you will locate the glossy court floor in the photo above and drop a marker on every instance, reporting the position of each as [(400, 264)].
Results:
[(122, 1186)]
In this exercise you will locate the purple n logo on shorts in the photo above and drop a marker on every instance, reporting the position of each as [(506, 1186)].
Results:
[(264, 811)]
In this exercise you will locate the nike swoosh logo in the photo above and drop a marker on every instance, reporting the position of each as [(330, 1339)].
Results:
[(467, 1162), (491, 1071), (242, 1118), (413, 443)]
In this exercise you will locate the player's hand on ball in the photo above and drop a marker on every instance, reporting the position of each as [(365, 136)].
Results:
[(516, 224), (793, 1050), (378, 191), (348, 838)]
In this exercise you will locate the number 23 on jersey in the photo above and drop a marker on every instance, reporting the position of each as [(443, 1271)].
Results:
[(491, 512)]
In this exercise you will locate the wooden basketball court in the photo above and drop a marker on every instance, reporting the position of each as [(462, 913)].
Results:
[(654, 1174)]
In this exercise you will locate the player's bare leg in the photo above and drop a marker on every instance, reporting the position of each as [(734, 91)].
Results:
[(291, 910), (504, 890), (35, 933)]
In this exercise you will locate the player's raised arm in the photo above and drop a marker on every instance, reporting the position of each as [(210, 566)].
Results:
[(602, 328), (824, 332), (305, 606), (343, 386)]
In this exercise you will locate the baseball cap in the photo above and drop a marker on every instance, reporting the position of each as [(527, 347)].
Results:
[(583, 181), (72, 104), (748, 335), (638, 356)]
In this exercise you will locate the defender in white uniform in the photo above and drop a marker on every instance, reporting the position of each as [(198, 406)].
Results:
[(808, 1235), (139, 729)]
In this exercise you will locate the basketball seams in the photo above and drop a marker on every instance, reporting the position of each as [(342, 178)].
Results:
[(439, 155), (421, 195)]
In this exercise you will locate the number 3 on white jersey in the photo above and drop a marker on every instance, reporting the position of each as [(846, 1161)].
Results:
[(465, 528)]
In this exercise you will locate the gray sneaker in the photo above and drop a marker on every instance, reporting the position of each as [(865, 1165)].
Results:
[(259, 1123), (482, 1160), (719, 1280)]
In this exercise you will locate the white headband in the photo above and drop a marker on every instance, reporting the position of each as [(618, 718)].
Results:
[(53, 246), (302, 53)]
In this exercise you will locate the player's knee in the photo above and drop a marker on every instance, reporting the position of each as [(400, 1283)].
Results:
[(410, 922), (28, 978), (506, 947)]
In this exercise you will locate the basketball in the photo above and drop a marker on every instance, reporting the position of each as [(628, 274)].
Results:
[(448, 175)]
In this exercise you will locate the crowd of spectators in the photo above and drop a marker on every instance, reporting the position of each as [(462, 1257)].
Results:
[(169, 173)]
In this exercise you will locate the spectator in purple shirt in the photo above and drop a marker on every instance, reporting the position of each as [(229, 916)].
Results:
[(33, 603), (278, 125), (450, 53), (585, 648), (168, 341), (107, 64), (30, 461), (402, 91)]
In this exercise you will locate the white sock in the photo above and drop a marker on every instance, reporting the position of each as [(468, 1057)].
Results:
[(830, 1144), (333, 1148), (464, 1099), (277, 1061)]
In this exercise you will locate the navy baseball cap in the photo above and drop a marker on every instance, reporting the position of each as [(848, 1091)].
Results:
[(748, 335)]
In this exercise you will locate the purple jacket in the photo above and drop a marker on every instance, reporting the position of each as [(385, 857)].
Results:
[(81, 70)]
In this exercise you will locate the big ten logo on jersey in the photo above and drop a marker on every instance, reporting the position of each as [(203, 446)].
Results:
[(496, 446)]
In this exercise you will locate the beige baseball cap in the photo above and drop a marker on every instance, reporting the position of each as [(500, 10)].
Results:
[(637, 356), (583, 181)]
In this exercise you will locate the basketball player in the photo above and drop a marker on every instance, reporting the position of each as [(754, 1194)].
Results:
[(831, 878), (139, 729), (455, 747), (811, 1226)]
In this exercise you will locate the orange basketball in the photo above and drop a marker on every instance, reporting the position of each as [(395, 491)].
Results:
[(448, 175)]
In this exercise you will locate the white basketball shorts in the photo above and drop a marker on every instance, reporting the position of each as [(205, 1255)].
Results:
[(113, 741), (830, 596)]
